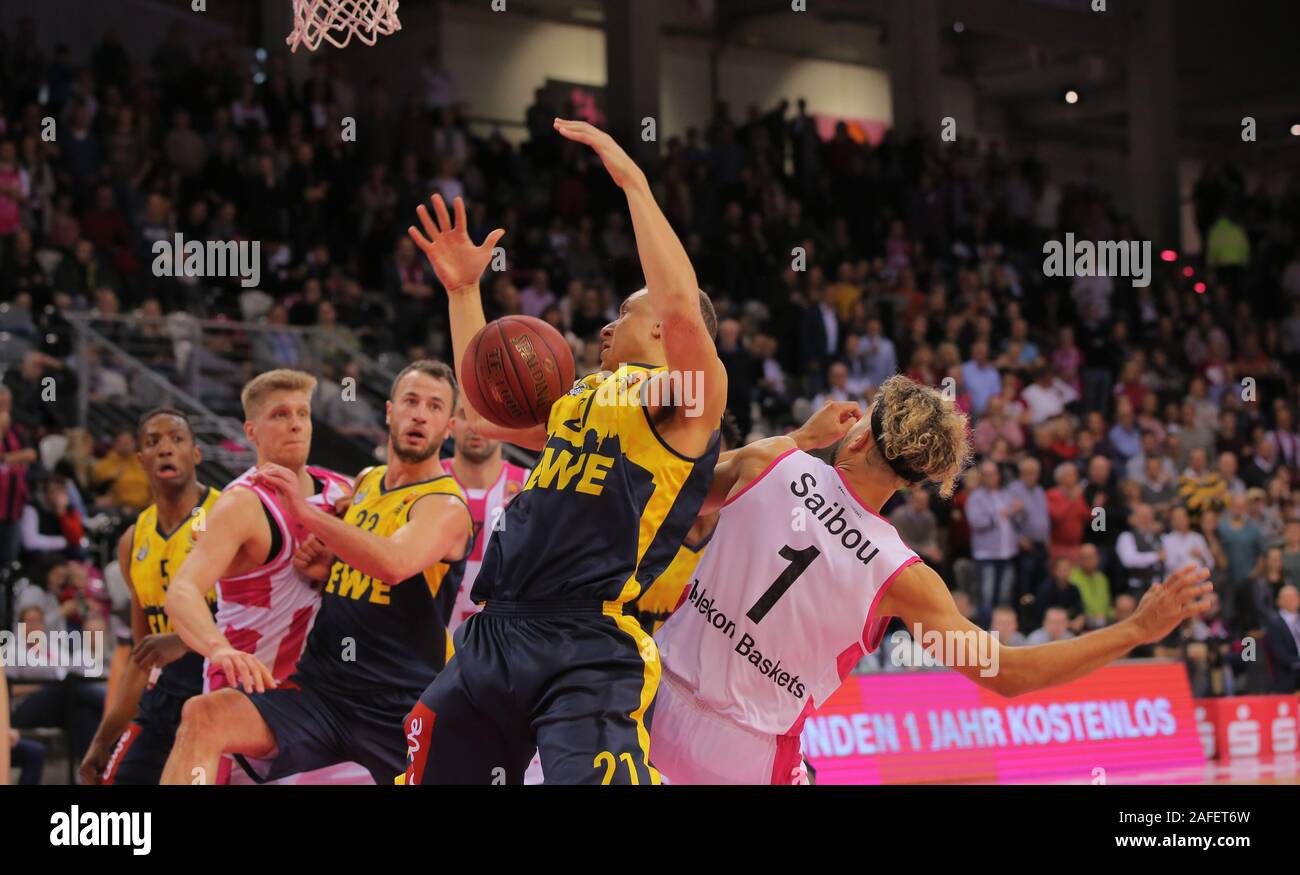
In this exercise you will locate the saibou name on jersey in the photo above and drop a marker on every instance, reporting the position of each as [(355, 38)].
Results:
[(747, 646), (832, 517), (346, 581)]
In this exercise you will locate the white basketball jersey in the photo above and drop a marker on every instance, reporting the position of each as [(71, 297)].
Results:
[(783, 604), (269, 610)]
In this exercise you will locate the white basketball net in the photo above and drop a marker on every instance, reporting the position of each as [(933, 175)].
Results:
[(337, 21)]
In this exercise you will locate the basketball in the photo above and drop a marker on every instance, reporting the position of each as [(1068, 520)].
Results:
[(514, 368)]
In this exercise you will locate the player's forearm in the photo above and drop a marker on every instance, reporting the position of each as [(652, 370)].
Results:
[(192, 619), (1025, 669), (366, 552), (669, 275), (126, 700)]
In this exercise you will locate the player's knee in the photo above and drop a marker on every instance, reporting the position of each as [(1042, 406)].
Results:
[(201, 716)]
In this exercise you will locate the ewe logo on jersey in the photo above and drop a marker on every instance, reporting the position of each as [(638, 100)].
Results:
[(349, 583), (746, 646), (567, 468), (833, 518)]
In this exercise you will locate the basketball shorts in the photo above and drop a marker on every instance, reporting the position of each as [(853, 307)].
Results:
[(693, 744), (143, 749), (573, 681), (315, 728)]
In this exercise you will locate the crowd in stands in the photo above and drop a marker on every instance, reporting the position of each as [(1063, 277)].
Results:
[(1121, 431)]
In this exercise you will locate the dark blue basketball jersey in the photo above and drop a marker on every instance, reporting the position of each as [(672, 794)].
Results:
[(371, 636), (607, 506)]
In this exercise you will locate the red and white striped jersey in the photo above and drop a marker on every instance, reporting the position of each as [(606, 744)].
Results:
[(784, 602), (269, 610), (486, 507)]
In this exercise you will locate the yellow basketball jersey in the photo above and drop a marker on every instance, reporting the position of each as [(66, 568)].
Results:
[(657, 603), (400, 628), (607, 505), (156, 555)]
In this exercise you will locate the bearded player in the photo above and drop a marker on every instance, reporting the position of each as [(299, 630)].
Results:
[(801, 578), (265, 606), (138, 729), (391, 567), (554, 661)]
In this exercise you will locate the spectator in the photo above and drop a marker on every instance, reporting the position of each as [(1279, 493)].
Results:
[(1267, 586), (16, 453), (1157, 482), (1068, 512), (1182, 546), (1006, 626), (279, 346), (1199, 488), (1241, 538), (916, 526), (980, 378), (120, 476), (993, 539), (65, 699), (1032, 524), (1282, 637), (50, 525), (1094, 588), (997, 424), (1056, 627), (1139, 550), (1291, 551), (1048, 396)]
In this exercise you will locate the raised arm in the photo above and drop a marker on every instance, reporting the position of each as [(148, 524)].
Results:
[(922, 600), (673, 290), (438, 529), (737, 468), (230, 524), (460, 265)]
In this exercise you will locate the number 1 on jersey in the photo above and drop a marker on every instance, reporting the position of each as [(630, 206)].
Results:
[(799, 562)]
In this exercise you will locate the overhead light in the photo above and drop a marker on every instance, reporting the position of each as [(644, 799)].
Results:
[(959, 26), (1295, 130), (1072, 97), (1189, 272), (1199, 288), (1168, 255)]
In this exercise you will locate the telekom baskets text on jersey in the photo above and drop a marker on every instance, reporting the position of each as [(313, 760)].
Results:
[(784, 602), (269, 611)]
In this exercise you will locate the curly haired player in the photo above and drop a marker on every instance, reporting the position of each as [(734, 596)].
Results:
[(801, 578)]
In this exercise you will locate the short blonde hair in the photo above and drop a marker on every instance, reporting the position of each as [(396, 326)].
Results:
[(923, 430), (280, 380)]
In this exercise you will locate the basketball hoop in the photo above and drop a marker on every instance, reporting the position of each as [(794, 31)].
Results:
[(337, 21)]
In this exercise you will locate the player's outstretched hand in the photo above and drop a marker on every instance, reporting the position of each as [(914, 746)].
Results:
[(1166, 605), (827, 425), (620, 166), (243, 670), (454, 257), (314, 559)]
